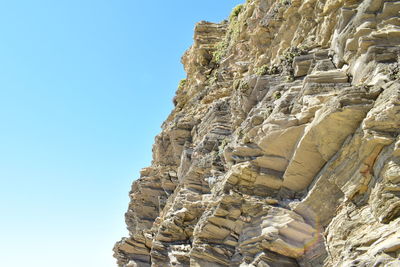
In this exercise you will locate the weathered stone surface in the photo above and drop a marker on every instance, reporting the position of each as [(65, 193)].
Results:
[(283, 148)]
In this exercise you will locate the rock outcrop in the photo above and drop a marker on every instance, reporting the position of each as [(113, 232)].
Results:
[(283, 148)]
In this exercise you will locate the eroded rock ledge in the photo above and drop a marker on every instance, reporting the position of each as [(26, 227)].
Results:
[(283, 148)]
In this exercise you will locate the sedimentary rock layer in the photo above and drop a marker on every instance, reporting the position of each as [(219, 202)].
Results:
[(283, 148)]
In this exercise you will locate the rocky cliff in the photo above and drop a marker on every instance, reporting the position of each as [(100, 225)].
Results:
[(283, 148)]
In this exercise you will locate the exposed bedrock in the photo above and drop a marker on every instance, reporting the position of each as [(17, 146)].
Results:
[(283, 148)]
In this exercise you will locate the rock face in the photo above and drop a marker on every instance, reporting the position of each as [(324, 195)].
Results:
[(283, 148)]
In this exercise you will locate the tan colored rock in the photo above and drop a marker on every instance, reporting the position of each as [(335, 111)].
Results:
[(283, 148)]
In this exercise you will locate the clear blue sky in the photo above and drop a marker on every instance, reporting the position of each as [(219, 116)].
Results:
[(84, 88)]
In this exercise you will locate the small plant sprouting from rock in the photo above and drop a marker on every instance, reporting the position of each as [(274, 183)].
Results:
[(243, 86), (262, 70), (276, 95), (293, 52), (287, 60), (220, 51), (182, 84), (235, 12), (233, 32), (274, 69), (265, 69)]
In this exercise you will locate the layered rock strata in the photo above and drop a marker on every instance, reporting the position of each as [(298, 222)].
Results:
[(283, 148)]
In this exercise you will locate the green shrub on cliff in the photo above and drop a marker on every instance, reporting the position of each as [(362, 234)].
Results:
[(276, 95), (236, 11), (265, 69), (220, 51), (262, 70), (182, 84)]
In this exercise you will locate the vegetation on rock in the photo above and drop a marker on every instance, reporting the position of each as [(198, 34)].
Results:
[(235, 12)]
